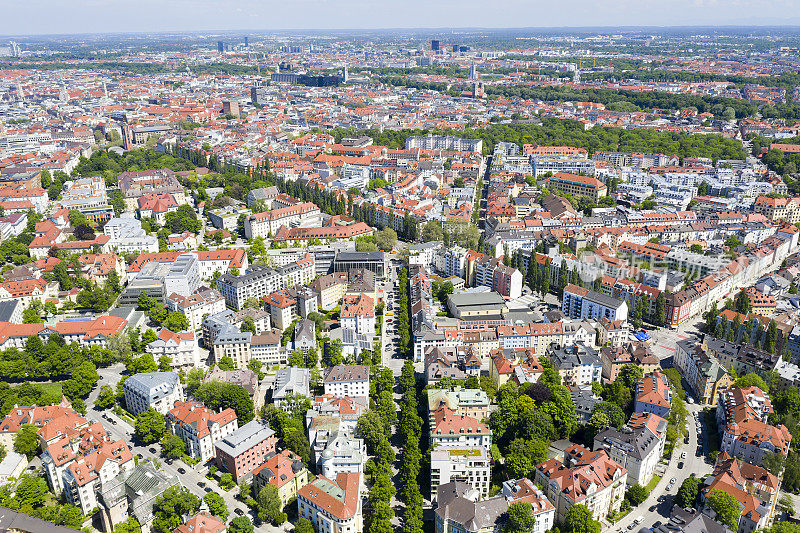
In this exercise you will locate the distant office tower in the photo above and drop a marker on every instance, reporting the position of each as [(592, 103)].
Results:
[(230, 107), (473, 72), (344, 74), (220, 47), (435, 45), (246, 43)]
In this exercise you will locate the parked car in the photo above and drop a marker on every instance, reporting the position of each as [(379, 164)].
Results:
[(672, 481), (152, 450), (201, 484), (238, 511), (680, 465), (652, 508), (181, 471)]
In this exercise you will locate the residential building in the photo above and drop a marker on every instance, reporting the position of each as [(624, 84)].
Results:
[(180, 347), (347, 380), (200, 427), (358, 313), (305, 215), (577, 364), (638, 447), (577, 185), (291, 381), (579, 302), (746, 434), (449, 429), (754, 487), (584, 477), (202, 522), (333, 506), (471, 465), (202, 302), (159, 390), (460, 508), (245, 449), (653, 395), (285, 471)]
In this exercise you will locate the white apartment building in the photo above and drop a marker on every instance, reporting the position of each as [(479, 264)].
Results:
[(207, 302), (159, 390), (180, 347), (347, 380), (468, 465), (358, 314), (126, 235)]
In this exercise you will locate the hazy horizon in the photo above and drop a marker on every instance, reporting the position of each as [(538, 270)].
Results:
[(54, 17)]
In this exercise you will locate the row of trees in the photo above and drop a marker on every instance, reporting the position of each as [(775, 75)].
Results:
[(403, 313), (375, 427), (410, 430)]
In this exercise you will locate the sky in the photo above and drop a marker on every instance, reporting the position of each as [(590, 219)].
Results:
[(25, 17)]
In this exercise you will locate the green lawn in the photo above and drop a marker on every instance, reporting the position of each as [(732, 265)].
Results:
[(50, 388), (653, 482)]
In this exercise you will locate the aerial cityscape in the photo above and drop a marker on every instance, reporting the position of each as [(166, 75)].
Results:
[(424, 280)]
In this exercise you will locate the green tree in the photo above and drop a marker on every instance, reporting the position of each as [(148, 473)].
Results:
[(636, 494), (31, 491), (26, 441), (172, 446), (150, 426), (688, 492), (164, 363), (752, 380), (176, 321), (270, 507), (106, 397), (630, 374), (171, 506), (520, 518), (129, 525), (216, 505), (242, 524), (727, 508), (579, 519), (661, 309)]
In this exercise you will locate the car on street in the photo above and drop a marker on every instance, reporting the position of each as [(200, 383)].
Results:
[(652, 508), (181, 471), (683, 455), (201, 484), (238, 511), (152, 450), (669, 487), (680, 465), (672, 481), (207, 489)]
